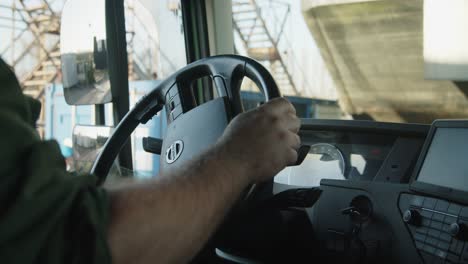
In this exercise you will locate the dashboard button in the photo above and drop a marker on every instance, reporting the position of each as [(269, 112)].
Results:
[(442, 206), (426, 222), (422, 230), (417, 200), (176, 112), (419, 237), (450, 220), (172, 92), (434, 233), (460, 248), (454, 229), (454, 209), (429, 203), (456, 247), (464, 212), (438, 217), (443, 245), (446, 228), (445, 237), (175, 102), (426, 214), (453, 246), (429, 249), (436, 225), (432, 241), (412, 217), (459, 231)]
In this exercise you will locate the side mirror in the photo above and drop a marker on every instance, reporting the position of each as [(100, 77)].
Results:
[(84, 55), (88, 142)]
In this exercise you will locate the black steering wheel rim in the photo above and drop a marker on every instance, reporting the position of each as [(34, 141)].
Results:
[(227, 72)]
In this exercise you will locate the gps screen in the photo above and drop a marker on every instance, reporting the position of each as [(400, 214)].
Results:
[(446, 162)]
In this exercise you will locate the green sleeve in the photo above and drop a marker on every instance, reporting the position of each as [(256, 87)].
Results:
[(46, 214)]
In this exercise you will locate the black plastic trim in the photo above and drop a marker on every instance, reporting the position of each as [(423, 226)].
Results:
[(197, 42), (118, 69), (398, 129)]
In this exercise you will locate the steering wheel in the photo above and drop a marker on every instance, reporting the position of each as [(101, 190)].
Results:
[(191, 128)]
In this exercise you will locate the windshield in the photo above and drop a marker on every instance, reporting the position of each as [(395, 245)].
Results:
[(395, 61)]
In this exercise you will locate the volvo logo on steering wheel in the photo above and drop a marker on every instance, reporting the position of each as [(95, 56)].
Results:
[(174, 151)]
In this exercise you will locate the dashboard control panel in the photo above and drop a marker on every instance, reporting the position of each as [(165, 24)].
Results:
[(437, 213), (438, 228)]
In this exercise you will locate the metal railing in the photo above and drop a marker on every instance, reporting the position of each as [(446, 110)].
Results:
[(262, 27)]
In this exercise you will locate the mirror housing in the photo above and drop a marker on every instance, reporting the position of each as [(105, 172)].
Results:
[(84, 53)]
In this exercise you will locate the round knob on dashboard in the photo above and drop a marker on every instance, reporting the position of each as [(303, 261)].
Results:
[(412, 217), (459, 230), (363, 208), (454, 229)]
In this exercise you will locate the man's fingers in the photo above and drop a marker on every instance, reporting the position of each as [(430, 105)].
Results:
[(279, 106), (293, 123), (282, 114), (293, 141), (292, 156)]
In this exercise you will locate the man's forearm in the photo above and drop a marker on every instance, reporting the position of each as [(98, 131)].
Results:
[(170, 219)]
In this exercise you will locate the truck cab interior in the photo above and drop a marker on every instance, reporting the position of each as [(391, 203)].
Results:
[(380, 86)]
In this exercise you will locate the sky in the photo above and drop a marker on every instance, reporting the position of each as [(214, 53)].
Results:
[(310, 68), (81, 21)]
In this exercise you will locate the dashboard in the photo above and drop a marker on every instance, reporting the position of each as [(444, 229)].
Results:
[(364, 162), (414, 197), (436, 213), (390, 193), (338, 155), (355, 151)]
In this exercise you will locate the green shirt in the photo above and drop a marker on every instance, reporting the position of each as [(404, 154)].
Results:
[(46, 214)]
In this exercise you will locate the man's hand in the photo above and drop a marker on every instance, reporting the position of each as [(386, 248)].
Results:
[(263, 140), (169, 219)]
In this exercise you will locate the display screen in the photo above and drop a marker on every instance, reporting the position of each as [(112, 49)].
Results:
[(446, 161)]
